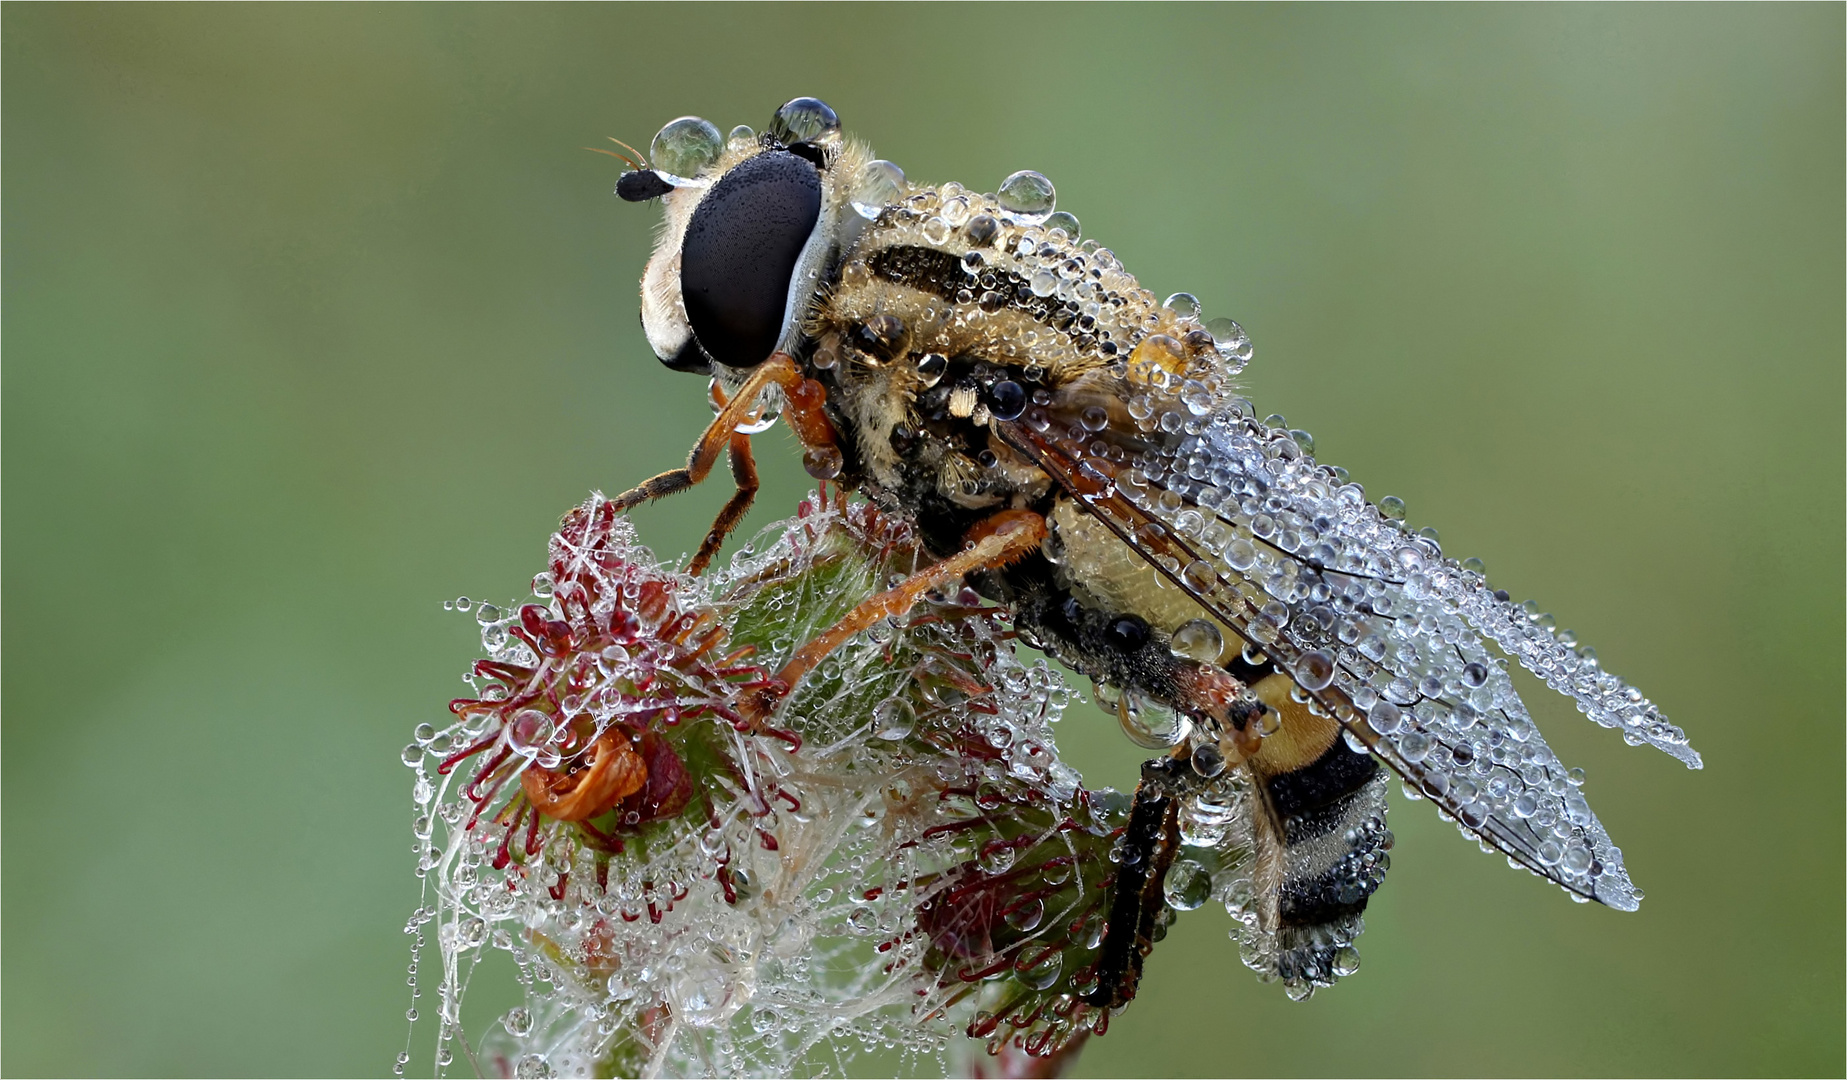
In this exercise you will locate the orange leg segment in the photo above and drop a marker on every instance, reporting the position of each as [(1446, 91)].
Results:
[(993, 543), (744, 472), (807, 418)]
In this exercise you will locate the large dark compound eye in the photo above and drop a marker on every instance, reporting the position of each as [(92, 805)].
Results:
[(740, 251)]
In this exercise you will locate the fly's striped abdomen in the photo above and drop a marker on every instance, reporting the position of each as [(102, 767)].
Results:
[(1326, 878)]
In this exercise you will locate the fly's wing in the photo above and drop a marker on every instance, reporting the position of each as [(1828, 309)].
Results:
[(1373, 623)]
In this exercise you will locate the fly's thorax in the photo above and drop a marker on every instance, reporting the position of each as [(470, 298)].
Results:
[(948, 314), (919, 394)]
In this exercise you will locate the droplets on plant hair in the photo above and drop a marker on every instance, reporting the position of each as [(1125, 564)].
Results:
[(714, 915)]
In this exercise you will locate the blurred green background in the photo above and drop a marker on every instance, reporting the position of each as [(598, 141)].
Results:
[(317, 316)]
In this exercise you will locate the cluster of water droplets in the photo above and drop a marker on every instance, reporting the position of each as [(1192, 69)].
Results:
[(1017, 248), (1370, 619), (686, 147), (1373, 623)]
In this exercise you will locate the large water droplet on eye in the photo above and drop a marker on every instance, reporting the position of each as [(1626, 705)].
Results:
[(1188, 885), (878, 185), (1029, 196), (684, 147), (804, 119)]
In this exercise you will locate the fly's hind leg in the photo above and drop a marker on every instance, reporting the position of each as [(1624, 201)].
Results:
[(1230, 733), (993, 543), (1149, 843)]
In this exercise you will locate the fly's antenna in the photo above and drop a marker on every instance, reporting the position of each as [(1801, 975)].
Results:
[(641, 182), (633, 163)]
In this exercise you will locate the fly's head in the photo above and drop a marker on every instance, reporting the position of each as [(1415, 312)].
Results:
[(753, 227)]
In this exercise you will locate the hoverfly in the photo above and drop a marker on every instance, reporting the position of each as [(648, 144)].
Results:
[(1073, 447)]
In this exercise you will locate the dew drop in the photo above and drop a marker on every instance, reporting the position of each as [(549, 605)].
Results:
[(1027, 915), (930, 368), (1385, 718), (1198, 640), (1314, 671), (1188, 885), (878, 185), (893, 719), (803, 119), (1232, 343), (1184, 305), (1029, 196), (1150, 724), (685, 147), (1044, 972), (1207, 760)]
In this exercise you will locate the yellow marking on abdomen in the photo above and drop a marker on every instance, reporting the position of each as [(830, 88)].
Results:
[(1302, 739)]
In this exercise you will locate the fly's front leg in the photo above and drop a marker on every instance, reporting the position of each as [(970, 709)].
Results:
[(744, 473), (993, 543), (807, 418)]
